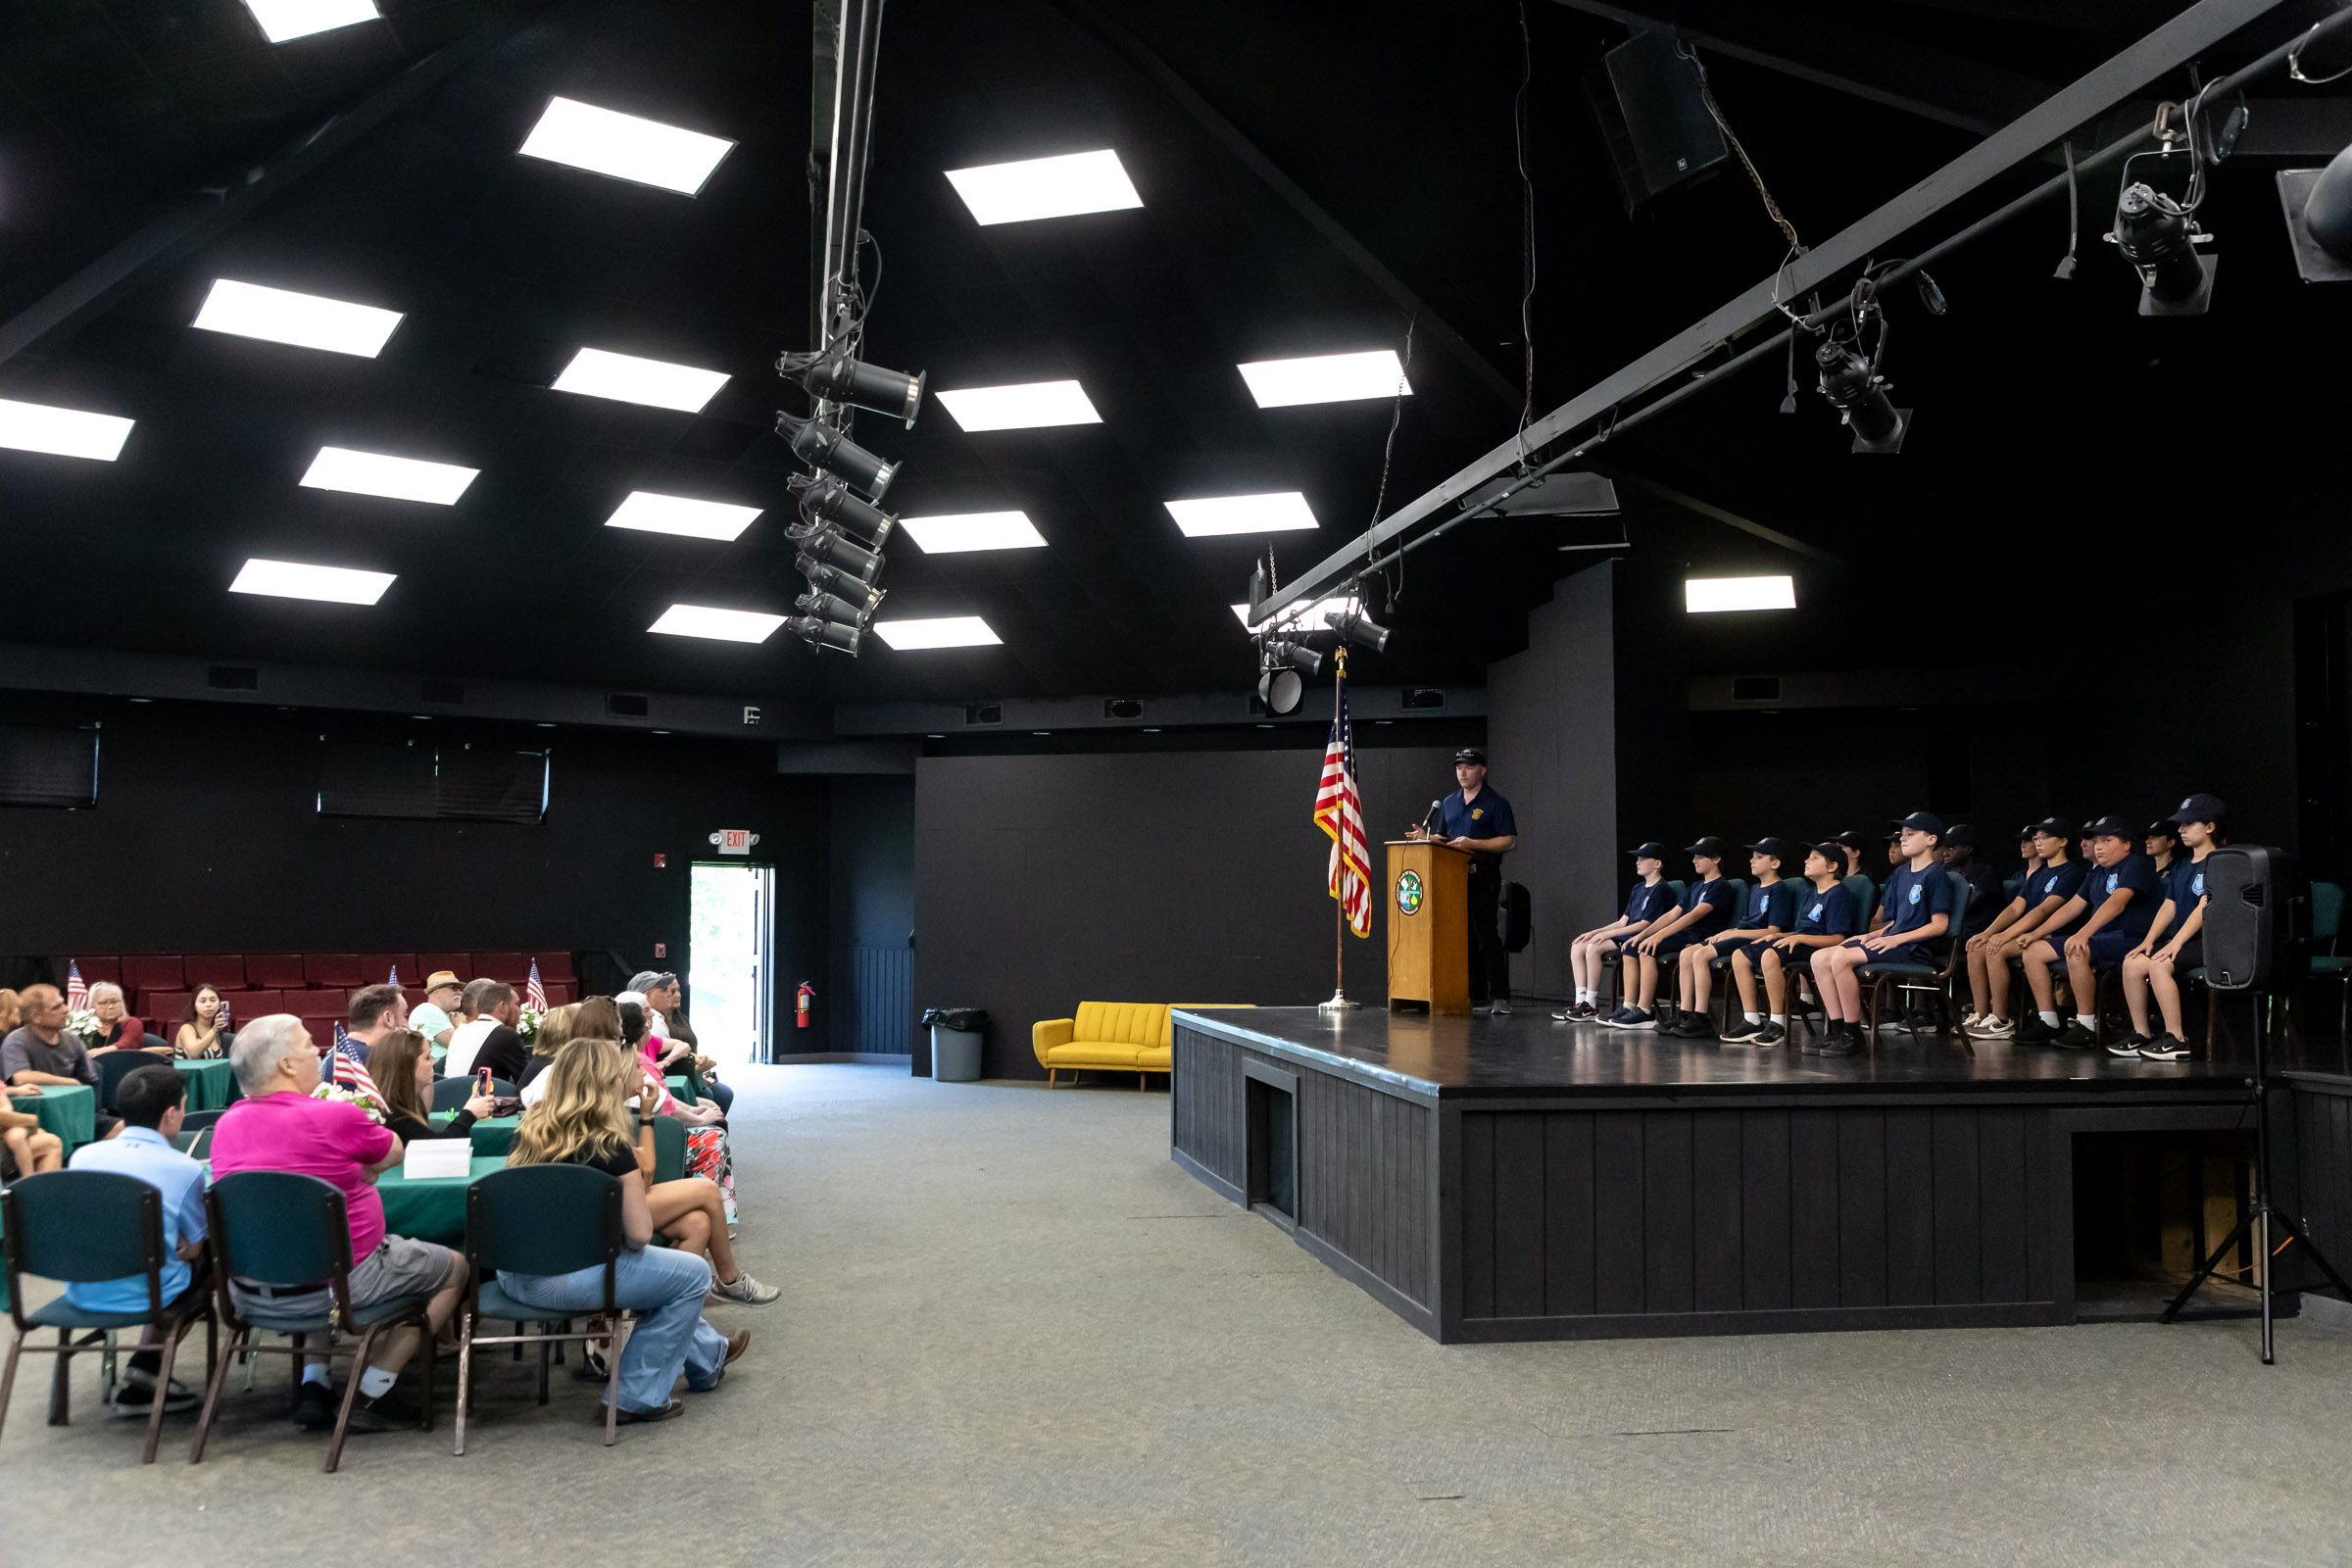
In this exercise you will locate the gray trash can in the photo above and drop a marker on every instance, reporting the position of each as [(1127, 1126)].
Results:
[(955, 1055)]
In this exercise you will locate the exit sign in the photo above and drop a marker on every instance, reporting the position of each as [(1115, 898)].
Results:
[(734, 840)]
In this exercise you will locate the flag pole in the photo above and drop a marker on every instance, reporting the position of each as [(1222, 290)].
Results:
[(1338, 1002)]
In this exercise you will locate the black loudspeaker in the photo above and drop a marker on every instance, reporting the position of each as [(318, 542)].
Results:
[(2257, 919), (1515, 909), (1667, 129)]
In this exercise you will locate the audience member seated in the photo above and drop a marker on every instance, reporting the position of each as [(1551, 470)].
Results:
[(26, 1148), (663, 997), (2051, 882), (117, 1030), (490, 1040), (709, 1153), (400, 1065), (152, 1102), (278, 1126), (40, 1050), (583, 1120), (2174, 943), (433, 1017), (1983, 882), (1913, 926), (201, 1034), (372, 1014), (2116, 906)]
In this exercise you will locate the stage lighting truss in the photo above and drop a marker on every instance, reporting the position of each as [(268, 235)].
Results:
[(823, 499), (836, 375), (1850, 378), (2156, 228)]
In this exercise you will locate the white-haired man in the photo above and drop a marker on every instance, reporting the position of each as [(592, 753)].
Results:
[(278, 1126)]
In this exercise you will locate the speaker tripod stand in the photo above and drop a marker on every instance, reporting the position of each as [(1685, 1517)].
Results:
[(2261, 1219)]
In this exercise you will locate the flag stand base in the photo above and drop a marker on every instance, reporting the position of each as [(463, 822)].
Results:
[(1339, 1003)]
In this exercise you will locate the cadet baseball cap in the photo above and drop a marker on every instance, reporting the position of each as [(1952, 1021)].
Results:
[(1471, 753), (2054, 827), (1961, 837), (2111, 826), (1779, 849), (2164, 827), (1653, 850), (1922, 822), (1852, 840), (1713, 847), (2200, 809)]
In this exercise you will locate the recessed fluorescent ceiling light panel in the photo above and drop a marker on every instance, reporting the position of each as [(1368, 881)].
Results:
[(1020, 408), (1046, 188), (605, 142), (62, 432), (371, 473), (727, 626), (973, 530), (306, 321), (626, 378), (947, 631), (1325, 379), (282, 19), (1707, 595), (681, 514), (291, 579), (1279, 512)]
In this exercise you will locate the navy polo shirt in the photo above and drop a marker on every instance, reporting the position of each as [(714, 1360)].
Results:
[(1770, 906), (1714, 898), (1826, 914), (1647, 903), (2136, 874), (2185, 887), (1913, 898), (2061, 882), (1487, 817)]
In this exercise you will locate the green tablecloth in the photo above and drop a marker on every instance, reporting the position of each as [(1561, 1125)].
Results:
[(69, 1110), (493, 1136), (431, 1211), (211, 1084)]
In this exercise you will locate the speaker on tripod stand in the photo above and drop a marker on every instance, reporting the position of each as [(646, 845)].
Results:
[(2258, 938)]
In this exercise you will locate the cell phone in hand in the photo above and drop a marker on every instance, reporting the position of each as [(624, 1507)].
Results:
[(481, 1076)]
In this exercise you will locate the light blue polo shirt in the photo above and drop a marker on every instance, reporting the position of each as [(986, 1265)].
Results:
[(148, 1155)]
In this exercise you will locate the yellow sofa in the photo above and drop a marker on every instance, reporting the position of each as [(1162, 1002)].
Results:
[(1111, 1037)]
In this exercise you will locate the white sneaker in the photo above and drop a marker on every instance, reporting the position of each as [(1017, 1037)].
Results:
[(745, 1290), (1992, 1028)]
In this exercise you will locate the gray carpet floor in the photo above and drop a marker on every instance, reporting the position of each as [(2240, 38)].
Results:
[(1012, 1332)]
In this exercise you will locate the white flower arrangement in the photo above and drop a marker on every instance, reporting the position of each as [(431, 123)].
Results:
[(85, 1023), (527, 1025), (368, 1102)]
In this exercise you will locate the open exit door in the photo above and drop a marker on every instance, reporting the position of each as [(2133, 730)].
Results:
[(732, 915)]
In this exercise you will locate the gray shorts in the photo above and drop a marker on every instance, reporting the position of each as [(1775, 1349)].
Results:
[(399, 1266)]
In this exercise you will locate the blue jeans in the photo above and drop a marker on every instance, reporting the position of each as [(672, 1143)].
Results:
[(724, 1094), (666, 1290)]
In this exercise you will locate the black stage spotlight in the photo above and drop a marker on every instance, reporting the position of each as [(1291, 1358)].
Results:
[(1359, 629), (838, 378), (828, 545), (2157, 237), (822, 634), (832, 606), (1860, 395), (825, 498), (851, 588), (821, 447), (2318, 218), (1284, 667)]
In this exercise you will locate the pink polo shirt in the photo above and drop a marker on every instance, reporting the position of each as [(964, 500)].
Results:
[(333, 1140)]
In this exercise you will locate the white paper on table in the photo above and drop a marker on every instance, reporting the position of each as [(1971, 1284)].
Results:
[(428, 1158)]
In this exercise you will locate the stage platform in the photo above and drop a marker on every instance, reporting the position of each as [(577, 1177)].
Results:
[(1492, 1179)]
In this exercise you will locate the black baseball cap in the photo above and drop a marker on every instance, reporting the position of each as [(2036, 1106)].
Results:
[(2164, 827), (1852, 840), (2028, 831), (1961, 837), (1829, 850), (1779, 849), (2054, 827), (1471, 753), (1922, 822), (1713, 847), (2111, 826), (1651, 851), (2200, 809)]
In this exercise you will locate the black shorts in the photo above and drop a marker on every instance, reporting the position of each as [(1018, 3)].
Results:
[(1676, 942), (2192, 955), (1754, 951)]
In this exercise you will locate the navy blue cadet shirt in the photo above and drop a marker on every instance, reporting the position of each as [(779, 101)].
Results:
[(1487, 817), (2184, 885), (2061, 882), (1913, 898), (1715, 895), (1826, 914), (1770, 906), (1647, 903), (2135, 872)]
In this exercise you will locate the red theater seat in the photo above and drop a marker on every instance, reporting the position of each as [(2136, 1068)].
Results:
[(146, 972), (246, 1005), (378, 969), (162, 1009), (95, 970), (512, 967), (274, 971), (321, 1021), (555, 966), (460, 964), (335, 970), (560, 991), (223, 971)]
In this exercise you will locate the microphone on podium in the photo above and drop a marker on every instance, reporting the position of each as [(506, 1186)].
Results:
[(1428, 818)]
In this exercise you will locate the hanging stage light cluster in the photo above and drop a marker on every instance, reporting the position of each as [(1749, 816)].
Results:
[(1290, 653), (840, 535), (1850, 377)]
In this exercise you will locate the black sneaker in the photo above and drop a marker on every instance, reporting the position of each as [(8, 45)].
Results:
[(2129, 1046), (2031, 1031), (1769, 1033), (388, 1411), (1694, 1026), (314, 1407), (1584, 1010), (2165, 1048), (1842, 1040), (1568, 1014), (2073, 1037), (1903, 1025), (1742, 1032), (136, 1398)]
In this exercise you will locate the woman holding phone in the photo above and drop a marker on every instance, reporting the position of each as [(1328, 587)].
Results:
[(401, 1065), (203, 1029)]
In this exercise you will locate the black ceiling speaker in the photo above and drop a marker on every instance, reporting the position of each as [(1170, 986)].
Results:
[(1654, 118)]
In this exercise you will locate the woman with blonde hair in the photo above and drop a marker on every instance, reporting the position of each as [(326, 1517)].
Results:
[(556, 1029), (582, 1119)]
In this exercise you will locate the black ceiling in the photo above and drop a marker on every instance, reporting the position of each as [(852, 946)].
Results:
[(2043, 405)]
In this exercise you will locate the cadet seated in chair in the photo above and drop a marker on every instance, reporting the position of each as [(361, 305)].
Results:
[(2052, 880), (1914, 919), (1825, 917), (2116, 906), (1770, 911), (2174, 943), (1703, 912), (1649, 900)]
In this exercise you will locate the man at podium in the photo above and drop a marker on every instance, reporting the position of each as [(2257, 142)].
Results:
[(1477, 819)]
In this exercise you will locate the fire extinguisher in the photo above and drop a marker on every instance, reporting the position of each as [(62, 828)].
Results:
[(801, 1012)]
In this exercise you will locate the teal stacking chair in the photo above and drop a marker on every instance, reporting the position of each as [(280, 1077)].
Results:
[(81, 1227), (1920, 975), (541, 1219), (291, 1235), (2327, 964), (451, 1093)]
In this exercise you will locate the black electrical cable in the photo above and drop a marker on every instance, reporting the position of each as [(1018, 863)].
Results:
[(1527, 232)]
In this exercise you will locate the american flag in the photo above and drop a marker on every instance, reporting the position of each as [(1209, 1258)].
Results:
[(1340, 812), (534, 994), (78, 994), (351, 1065), (394, 982)]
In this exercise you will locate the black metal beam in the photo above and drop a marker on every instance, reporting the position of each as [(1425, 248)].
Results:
[(2167, 48), (192, 221), (1949, 89)]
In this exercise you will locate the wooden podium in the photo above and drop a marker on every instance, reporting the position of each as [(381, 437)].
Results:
[(1429, 925)]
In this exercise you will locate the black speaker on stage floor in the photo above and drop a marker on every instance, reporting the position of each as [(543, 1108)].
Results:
[(2257, 919), (1658, 128)]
